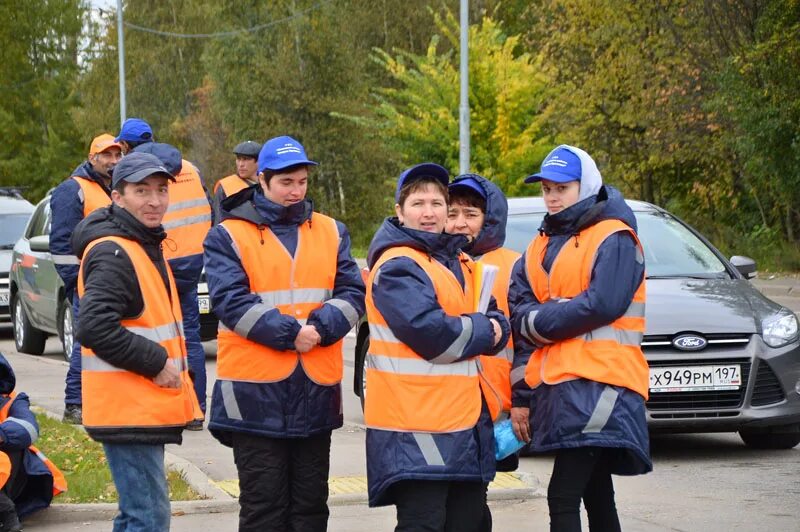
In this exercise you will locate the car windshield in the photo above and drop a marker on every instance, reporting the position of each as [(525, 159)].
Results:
[(671, 250), (11, 228)]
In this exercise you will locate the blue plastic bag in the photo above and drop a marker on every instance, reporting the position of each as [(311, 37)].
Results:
[(505, 441)]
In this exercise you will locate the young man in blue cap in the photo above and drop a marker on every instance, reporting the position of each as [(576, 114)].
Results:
[(286, 290), (137, 394)]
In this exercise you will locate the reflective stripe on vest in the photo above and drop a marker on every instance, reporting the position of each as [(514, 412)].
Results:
[(59, 482), (611, 354), (496, 370), (188, 216), (114, 397), (231, 185), (94, 196), (294, 286), (408, 392)]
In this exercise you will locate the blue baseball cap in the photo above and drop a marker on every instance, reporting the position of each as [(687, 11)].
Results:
[(282, 152), (169, 155), (561, 165), (419, 171), (135, 130), (467, 181), (137, 167)]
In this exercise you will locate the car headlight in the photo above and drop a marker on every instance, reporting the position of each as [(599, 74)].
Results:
[(780, 330)]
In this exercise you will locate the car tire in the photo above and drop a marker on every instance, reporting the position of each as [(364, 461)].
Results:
[(358, 370), (769, 440), (27, 339), (66, 329)]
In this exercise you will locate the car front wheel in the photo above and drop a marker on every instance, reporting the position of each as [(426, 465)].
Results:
[(67, 329), (770, 440), (27, 339)]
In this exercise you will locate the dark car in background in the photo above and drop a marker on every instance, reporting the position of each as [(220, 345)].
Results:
[(15, 211), (36, 292), (723, 357)]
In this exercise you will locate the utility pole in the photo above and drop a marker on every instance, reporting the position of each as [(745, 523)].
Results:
[(463, 108), (121, 51)]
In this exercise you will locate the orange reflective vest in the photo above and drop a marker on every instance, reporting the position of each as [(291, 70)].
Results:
[(94, 196), (406, 392), (59, 482), (295, 286), (114, 397), (611, 354), (496, 370), (231, 185), (188, 217)]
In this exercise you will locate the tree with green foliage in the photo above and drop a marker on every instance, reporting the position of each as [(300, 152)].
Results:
[(161, 69), (759, 89), (417, 114), (38, 74)]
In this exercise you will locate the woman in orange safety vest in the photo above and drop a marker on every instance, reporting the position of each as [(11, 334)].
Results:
[(577, 304), (430, 445)]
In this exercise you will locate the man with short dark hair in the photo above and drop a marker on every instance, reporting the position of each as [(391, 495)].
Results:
[(73, 200), (246, 169), (286, 290), (187, 222), (137, 394)]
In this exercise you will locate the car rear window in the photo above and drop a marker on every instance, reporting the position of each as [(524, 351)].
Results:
[(11, 228)]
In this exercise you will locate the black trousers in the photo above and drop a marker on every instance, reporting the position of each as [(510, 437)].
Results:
[(283, 482), (439, 505), (582, 473)]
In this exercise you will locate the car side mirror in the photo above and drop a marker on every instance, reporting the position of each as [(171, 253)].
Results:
[(40, 243), (745, 265)]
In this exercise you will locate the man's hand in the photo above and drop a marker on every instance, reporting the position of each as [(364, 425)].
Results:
[(498, 331), (520, 422), (169, 377), (307, 339)]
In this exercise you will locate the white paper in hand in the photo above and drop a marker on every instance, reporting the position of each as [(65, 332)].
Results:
[(487, 278)]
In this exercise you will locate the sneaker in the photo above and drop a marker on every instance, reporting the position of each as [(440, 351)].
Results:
[(73, 414), (196, 424)]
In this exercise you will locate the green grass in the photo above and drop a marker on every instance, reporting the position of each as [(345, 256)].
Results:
[(83, 463)]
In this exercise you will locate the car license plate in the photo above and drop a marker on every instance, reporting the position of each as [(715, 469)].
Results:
[(4, 298), (695, 378), (204, 304)]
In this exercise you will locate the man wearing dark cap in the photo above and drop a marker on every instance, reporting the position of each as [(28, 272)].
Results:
[(137, 394), (86, 190), (187, 222), (286, 290), (246, 169)]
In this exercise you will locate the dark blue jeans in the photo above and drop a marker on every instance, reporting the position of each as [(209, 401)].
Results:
[(72, 391), (194, 348), (140, 479)]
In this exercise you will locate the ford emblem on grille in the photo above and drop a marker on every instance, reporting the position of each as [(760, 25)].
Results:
[(689, 342)]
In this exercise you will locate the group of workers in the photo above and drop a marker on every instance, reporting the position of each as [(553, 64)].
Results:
[(556, 349)]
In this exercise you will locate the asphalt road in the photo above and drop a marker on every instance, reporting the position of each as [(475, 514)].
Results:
[(700, 482)]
